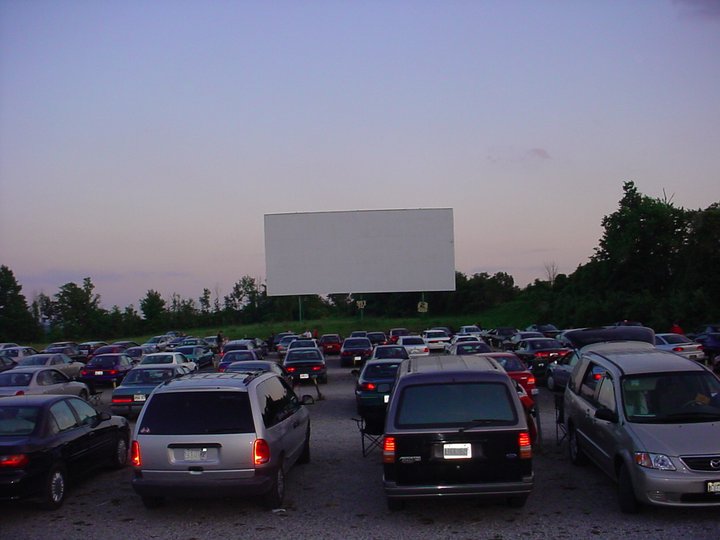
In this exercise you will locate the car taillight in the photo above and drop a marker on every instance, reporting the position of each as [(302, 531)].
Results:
[(542, 354), (84, 372), (135, 457), (388, 449), (14, 460), (221, 369), (261, 451), (291, 369), (524, 444), (122, 399), (20, 393), (368, 386), (425, 349), (531, 381), (678, 349), (317, 368)]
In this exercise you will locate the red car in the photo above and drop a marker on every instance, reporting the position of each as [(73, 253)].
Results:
[(330, 343), (395, 333)]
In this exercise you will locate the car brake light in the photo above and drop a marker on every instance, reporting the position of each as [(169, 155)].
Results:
[(261, 451), (14, 460), (122, 399), (425, 349), (316, 368), (388, 449), (368, 386), (291, 369), (135, 457), (83, 372), (678, 349), (524, 444), (20, 393), (542, 354), (531, 381)]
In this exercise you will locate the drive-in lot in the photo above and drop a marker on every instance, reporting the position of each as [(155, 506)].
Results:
[(339, 494)]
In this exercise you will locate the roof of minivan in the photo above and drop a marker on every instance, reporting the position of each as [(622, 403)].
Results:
[(197, 381), (450, 363), (633, 359)]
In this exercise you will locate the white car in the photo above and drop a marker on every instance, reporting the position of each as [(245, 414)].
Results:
[(414, 345), (679, 344), (61, 362), (461, 338), (470, 329), (166, 358), (436, 339), (40, 380), (159, 342)]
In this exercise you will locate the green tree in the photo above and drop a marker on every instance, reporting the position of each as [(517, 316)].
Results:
[(77, 309), (16, 321), (153, 309)]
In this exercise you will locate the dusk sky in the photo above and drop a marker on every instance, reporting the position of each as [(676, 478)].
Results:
[(142, 142)]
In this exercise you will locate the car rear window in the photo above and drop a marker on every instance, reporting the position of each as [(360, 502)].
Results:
[(236, 356), (301, 356), (102, 362), (197, 413), (455, 404), (413, 341), (148, 376), (9, 378), (159, 359), (15, 420), (380, 371), (391, 352), (357, 343), (473, 347), (330, 339)]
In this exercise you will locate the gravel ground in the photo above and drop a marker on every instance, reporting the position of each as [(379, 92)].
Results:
[(339, 495)]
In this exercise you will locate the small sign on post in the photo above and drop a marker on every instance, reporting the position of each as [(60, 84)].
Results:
[(422, 307)]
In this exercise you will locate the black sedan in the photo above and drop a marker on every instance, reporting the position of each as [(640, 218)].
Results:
[(538, 353), (47, 439), (306, 365)]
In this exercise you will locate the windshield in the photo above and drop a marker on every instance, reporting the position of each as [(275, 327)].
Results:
[(10, 378), (159, 359), (510, 363), (669, 398), (148, 376), (15, 420)]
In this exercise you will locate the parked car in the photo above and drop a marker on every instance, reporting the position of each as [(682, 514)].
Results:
[(538, 353), (165, 358), (126, 343), (516, 369), (648, 419), (372, 391), (201, 355), (136, 354), (7, 363), (377, 338), (128, 398), (106, 369), (40, 380), (236, 356), (330, 344), (495, 337), (415, 345), (68, 348), (260, 365), (110, 349), (240, 435), (436, 339), (59, 361), (159, 342), (559, 371), (355, 351), (17, 353), (174, 342), (306, 365), (395, 333), (7, 345), (468, 347), (470, 329), (359, 333), (389, 352), (87, 349), (681, 345), (282, 345), (711, 346), (473, 441), (45, 441), (547, 330), (303, 343), (510, 344)]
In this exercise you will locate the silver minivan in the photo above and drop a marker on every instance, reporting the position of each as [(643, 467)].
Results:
[(650, 420), (220, 434)]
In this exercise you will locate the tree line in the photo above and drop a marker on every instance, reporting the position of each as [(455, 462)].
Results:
[(655, 263)]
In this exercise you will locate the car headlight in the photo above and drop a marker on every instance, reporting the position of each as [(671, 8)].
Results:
[(654, 461)]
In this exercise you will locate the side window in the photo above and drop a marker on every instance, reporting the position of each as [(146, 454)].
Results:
[(55, 377), (63, 416), (43, 378), (273, 401), (606, 394), (590, 381), (84, 411), (56, 360)]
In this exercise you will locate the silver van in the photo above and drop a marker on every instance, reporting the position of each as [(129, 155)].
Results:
[(220, 434)]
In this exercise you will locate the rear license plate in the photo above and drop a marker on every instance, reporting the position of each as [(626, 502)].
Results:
[(713, 487), (139, 397), (304, 376), (693, 356), (386, 398), (358, 358), (195, 454), (98, 373), (457, 451)]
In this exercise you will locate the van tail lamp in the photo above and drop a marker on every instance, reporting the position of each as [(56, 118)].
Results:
[(13, 461), (261, 451), (524, 444), (20, 393), (135, 457), (368, 386), (388, 449)]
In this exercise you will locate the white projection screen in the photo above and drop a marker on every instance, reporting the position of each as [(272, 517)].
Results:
[(363, 251)]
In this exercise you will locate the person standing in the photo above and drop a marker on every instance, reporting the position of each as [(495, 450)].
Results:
[(676, 329)]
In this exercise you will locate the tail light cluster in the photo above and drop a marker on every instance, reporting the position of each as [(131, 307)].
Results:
[(525, 445), (135, 455), (122, 399), (261, 451), (368, 386), (389, 449), (13, 461)]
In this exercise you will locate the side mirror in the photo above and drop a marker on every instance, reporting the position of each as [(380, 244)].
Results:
[(603, 413)]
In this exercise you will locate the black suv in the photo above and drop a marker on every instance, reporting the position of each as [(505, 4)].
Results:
[(455, 427)]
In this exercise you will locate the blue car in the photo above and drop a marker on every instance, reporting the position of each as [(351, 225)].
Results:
[(128, 398)]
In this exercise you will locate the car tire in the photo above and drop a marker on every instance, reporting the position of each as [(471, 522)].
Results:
[(274, 498), (551, 383), (626, 494), (577, 456), (395, 504), (120, 454), (517, 501), (305, 454), (55, 488), (152, 502)]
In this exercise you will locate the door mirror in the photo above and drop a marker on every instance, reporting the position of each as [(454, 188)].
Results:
[(603, 413)]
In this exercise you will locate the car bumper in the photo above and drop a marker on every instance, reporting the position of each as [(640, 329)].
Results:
[(675, 488), (209, 484), (491, 489), (19, 484)]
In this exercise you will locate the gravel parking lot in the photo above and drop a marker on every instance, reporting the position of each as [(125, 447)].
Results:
[(339, 494)]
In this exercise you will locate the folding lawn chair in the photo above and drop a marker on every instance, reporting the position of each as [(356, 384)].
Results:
[(371, 436)]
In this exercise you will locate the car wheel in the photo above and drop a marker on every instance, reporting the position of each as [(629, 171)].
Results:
[(305, 455), (517, 501), (55, 488), (83, 395), (395, 504), (577, 457), (626, 494), (152, 502), (551, 383), (120, 455), (274, 498)]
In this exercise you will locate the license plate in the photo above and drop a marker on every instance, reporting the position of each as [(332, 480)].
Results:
[(457, 451), (358, 358), (534, 391), (304, 376), (693, 356), (386, 398), (98, 373), (195, 454), (139, 397), (713, 487)]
